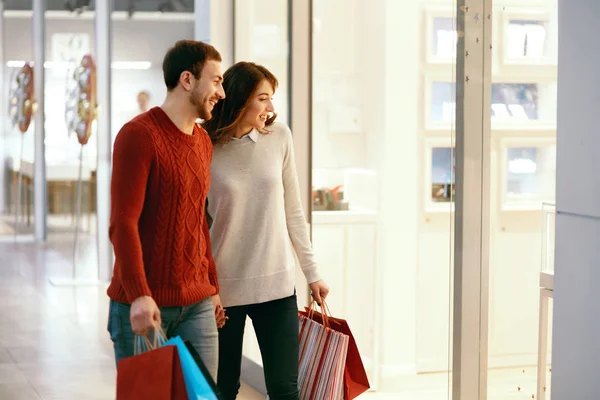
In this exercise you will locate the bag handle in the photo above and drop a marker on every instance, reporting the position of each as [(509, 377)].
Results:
[(142, 343), (324, 312)]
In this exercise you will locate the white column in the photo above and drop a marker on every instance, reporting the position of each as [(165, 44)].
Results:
[(221, 29), (202, 20), (103, 172), (301, 111), (396, 93), (471, 240), (40, 198), (576, 326), (3, 110)]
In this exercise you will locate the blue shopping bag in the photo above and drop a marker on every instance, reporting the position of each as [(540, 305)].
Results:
[(197, 385)]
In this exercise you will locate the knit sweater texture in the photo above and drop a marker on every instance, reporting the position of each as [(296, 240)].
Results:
[(158, 226)]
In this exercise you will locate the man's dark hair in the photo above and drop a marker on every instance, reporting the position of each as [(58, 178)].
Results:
[(187, 55)]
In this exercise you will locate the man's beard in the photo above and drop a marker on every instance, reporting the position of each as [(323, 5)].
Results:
[(201, 106)]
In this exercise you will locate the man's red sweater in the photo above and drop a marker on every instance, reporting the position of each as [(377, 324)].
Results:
[(158, 227)]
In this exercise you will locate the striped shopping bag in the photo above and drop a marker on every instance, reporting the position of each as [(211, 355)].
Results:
[(322, 359)]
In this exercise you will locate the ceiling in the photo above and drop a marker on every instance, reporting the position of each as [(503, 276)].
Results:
[(119, 5)]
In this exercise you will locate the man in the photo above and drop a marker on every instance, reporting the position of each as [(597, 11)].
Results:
[(164, 271), (143, 100)]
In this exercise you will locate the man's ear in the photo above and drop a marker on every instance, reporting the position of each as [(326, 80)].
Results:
[(186, 80)]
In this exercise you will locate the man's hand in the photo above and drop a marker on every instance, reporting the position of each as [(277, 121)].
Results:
[(144, 315), (219, 311), (319, 291)]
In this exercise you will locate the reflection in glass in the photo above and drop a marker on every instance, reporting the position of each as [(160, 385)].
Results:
[(442, 174)]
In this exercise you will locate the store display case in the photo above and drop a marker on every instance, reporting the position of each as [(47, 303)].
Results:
[(528, 173), (526, 37), (440, 175), (441, 43), (440, 103), (518, 105)]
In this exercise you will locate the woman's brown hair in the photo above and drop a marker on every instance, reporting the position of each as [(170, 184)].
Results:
[(240, 82)]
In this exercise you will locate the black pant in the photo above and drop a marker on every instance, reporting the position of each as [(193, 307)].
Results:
[(276, 327)]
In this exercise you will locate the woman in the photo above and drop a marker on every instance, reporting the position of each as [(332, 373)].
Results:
[(258, 229)]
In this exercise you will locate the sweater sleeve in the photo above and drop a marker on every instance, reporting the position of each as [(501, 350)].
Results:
[(132, 159), (295, 219), (212, 268)]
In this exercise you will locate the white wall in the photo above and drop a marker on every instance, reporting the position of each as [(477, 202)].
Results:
[(576, 349)]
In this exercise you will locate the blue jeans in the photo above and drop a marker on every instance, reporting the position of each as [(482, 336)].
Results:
[(195, 323)]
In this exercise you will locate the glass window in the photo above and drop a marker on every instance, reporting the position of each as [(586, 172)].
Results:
[(383, 177), (522, 179)]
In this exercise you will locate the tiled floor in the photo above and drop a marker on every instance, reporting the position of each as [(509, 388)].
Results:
[(54, 344), (53, 340)]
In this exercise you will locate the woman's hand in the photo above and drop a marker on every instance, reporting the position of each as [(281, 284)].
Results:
[(219, 311), (319, 291)]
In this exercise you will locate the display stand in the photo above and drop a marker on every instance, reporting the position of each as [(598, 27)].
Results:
[(80, 115), (21, 110)]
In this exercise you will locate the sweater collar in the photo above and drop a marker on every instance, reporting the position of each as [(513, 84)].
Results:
[(169, 126), (253, 135)]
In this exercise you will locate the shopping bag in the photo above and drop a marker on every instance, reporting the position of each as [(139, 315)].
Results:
[(356, 381), (196, 382), (322, 360), (154, 374), (203, 369)]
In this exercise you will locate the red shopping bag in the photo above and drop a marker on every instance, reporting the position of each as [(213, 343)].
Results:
[(356, 381), (153, 375), (321, 361)]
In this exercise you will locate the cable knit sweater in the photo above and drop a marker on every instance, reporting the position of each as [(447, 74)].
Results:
[(158, 226)]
